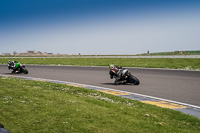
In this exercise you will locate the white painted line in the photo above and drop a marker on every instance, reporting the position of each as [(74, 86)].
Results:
[(151, 97)]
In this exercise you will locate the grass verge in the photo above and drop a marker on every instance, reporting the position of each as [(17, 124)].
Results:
[(33, 106), (189, 64), (193, 52)]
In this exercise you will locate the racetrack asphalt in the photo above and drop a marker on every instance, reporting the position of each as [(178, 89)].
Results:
[(177, 85)]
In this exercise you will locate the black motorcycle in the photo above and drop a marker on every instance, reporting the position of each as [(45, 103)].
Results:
[(17, 67), (124, 76)]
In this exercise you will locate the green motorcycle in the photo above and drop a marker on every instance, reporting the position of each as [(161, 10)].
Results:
[(17, 67)]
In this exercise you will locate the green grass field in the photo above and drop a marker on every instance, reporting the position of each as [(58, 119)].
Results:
[(33, 106), (186, 52), (186, 63), (195, 52)]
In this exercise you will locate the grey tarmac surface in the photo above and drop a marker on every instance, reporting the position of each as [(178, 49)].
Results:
[(177, 85)]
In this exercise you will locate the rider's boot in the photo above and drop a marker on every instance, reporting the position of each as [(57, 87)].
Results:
[(117, 81), (17, 72)]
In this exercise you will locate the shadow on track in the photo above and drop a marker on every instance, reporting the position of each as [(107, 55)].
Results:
[(114, 84), (12, 74), (7, 73), (107, 83)]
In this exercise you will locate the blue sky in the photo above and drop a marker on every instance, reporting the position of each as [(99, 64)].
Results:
[(99, 26)]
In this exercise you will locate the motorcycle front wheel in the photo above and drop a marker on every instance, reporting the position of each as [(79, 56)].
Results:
[(134, 80), (24, 70)]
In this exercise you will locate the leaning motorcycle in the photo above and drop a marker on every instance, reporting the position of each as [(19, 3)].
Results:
[(126, 77), (17, 67)]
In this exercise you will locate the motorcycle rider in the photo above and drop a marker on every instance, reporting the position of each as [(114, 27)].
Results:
[(14, 65), (119, 73), (115, 71), (122, 75)]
